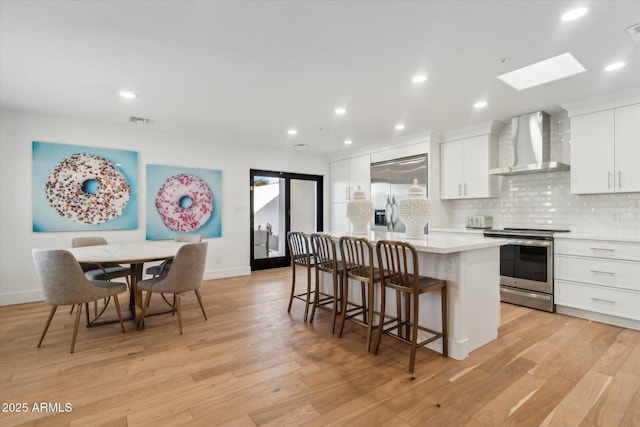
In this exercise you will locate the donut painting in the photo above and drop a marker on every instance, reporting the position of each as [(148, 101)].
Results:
[(83, 188), (183, 200)]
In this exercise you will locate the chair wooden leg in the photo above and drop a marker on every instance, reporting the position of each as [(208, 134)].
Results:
[(336, 300), (414, 332), (316, 297), (308, 296), (200, 302), (345, 298), (364, 302), (46, 326), (75, 327), (370, 315), (144, 307), (177, 297), (445, 332), (86, 312), (293, 286), (117, 303), (383, 305)]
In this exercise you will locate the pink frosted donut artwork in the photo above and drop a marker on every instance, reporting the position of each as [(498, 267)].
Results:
[(87, 189), (184, 202)]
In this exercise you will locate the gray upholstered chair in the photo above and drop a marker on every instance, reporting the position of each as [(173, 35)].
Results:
[(64, 283), (160, 269), (186, 274), (105, 271)]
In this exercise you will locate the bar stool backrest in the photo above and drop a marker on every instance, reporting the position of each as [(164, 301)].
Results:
[(399, 262), (299, 248), (324, 252), (357, 256)]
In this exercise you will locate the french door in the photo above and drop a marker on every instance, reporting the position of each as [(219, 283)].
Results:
[(281, 202)]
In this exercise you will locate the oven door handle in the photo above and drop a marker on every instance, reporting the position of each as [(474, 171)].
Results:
[(523, 242)]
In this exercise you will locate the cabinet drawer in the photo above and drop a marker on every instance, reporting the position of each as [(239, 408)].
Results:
[(615, 302), (598, 271), (598, 248)]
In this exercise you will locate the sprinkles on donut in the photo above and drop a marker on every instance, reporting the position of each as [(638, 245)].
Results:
[(184, 202), (87, 189)]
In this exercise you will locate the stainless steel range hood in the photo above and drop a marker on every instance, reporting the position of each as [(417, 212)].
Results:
[(530, 137)]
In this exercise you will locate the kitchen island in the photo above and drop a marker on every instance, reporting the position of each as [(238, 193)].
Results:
[(470, 263)]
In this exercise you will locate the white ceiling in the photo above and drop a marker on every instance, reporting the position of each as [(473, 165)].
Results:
[(244, 72)]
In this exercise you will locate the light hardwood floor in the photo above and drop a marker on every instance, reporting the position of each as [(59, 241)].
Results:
[(252, 363)]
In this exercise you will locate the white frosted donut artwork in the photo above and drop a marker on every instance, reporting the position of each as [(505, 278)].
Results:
[(87, 189), (184, 202)]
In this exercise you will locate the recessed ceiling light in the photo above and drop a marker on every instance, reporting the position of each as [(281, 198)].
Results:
[(614, 66), (340, 111), (419, 78), (480, 104), (574, 14), (292, 132), (542, 72), (129, 94), (399, 126), (348, 142)]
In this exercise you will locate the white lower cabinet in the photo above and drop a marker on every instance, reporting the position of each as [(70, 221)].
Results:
[(598, 279)]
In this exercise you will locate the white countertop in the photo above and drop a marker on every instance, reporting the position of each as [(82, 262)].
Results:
[(439, 242)]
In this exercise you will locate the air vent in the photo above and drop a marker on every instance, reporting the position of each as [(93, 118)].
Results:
[(634, 32), (301, 146), (140, 120)]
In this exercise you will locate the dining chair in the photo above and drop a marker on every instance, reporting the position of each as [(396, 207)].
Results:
[(64, 283), (325, 260), (399, 263), (357, 256), (163, 268), (95, 271), (186, 274), (301, 256)]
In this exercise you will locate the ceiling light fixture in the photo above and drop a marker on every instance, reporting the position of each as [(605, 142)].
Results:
[(292, 132), (419, 78), (480, 104), (129, 94), (549, 70), (574, 14), (614, 66), (399, 126), (340, 111), (348, 142)]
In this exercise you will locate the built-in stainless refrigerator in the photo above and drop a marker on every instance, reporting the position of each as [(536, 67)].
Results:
[(390, 182)]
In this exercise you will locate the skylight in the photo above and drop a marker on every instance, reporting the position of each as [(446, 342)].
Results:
[(549, 70)]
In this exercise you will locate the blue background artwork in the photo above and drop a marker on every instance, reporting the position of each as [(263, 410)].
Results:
[(46, 156), (156, 175)]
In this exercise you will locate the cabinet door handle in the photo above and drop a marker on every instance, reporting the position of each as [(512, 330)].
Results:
[(465, 188), (603, 272), (603, 300), (603, 249), (619, 179), (459, 189), (609, 179)]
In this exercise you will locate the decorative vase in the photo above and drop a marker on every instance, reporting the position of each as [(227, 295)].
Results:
[(359, 212), (415, 211)]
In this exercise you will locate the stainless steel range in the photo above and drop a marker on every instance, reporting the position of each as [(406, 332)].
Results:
[(526, 267)]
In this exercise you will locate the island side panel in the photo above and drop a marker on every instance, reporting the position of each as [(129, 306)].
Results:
[(473, 293)]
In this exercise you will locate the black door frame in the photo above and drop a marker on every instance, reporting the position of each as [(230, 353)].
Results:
[(264, 263)]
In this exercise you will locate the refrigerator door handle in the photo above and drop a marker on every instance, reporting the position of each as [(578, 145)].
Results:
[(388, 210)]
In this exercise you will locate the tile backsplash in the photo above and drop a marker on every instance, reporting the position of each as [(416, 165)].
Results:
[(544, 199)]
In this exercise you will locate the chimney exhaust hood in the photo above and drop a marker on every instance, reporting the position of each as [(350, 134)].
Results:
[(530, 137)]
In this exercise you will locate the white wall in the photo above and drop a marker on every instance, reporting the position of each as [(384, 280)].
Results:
[(18, 282)]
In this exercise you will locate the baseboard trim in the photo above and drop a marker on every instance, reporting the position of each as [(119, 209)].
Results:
[(21, 297)]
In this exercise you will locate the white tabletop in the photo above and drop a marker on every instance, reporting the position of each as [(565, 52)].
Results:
[(127, 253), (435, 242)]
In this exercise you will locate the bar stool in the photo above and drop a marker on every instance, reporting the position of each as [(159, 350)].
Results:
[(399, 263), (325, 259), (357, 256), (300, 256)]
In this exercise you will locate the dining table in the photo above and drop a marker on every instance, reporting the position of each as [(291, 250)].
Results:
[(134, 254)]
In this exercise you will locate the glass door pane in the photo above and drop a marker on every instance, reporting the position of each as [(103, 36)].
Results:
[(268, 216), (303, 205)]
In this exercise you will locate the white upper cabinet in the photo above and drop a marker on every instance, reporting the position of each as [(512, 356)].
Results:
[(465, 165), (605, 151), (347, 175)]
